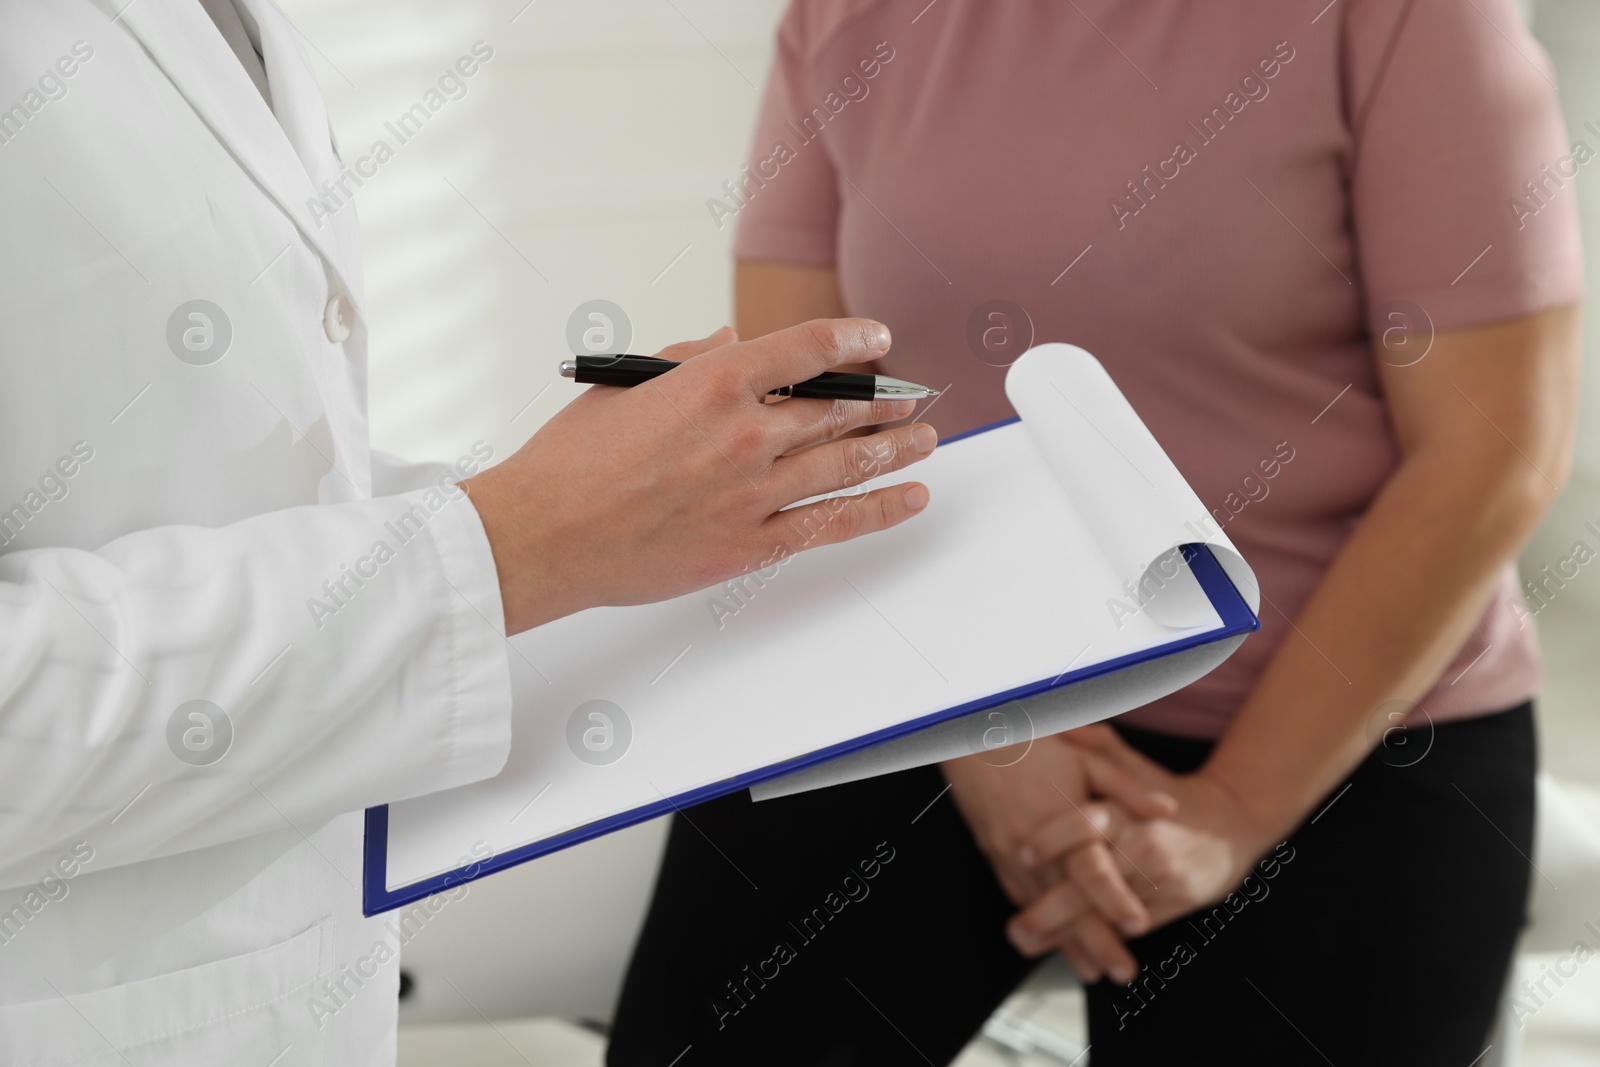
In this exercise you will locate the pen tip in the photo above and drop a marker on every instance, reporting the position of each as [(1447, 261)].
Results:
[(932, 393)]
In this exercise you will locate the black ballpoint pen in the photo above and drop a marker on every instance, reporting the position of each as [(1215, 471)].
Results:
[(831, 385)]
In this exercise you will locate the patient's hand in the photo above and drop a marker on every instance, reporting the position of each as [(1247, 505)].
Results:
[(1051, 785), (1174, 863)]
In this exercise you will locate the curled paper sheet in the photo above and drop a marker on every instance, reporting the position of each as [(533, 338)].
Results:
[(1138, 506)]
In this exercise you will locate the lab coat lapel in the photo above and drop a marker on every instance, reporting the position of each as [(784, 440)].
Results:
[(298, 104), (181, 39)]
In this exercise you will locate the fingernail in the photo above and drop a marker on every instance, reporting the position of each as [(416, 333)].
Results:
[(1133, 928), (1122, 973), (1100, 819), (1022, 940), (917, 497), (901, 408), (1027, 857), (880, 337), (923, 438)]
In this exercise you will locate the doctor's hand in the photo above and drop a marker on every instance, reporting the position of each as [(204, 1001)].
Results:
[(629, 496), (1008, 795)]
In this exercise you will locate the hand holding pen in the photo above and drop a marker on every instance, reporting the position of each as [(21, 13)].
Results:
[(628, 496)]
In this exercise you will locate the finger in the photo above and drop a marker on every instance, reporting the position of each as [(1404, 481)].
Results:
[(1081, 961), (1124, 847), (1062, 833), (805, 351), (687, 350), (1100, 736), (852, 461), (1105, 949), (1093, 822), (800, 421), (1036, 929), (1139, 792), (1098, 878), (1021, 887), (837, 519), (1103, 741)]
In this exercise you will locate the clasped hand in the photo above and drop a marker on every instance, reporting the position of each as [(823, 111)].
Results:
[(1096, 844)]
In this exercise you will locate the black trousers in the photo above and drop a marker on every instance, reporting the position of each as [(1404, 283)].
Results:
[(861, 926)]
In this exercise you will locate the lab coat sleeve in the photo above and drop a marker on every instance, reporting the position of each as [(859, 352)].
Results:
[(183, 686), (392, 475)]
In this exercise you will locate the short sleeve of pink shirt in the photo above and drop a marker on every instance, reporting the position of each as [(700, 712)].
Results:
[(1226, 203), (1459, 149), (798, 216)]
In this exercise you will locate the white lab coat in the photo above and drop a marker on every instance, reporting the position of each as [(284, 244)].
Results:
[(165, 523)]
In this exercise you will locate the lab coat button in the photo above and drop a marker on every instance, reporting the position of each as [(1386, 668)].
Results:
[(337, 318)]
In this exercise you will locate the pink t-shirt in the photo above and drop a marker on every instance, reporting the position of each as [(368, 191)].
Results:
[(1224, 202)]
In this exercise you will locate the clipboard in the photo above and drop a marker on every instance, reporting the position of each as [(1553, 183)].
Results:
[(958, 632)]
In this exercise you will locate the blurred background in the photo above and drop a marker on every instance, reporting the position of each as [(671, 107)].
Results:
[(576, 168)]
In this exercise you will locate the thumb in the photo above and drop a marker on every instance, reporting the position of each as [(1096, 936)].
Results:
[(1140, 789)]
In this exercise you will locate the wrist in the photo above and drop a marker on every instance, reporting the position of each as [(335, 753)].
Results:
[(1262, 820), (522, 543)]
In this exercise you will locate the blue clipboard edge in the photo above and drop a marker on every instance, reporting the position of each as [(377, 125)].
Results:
[(1237, 618)]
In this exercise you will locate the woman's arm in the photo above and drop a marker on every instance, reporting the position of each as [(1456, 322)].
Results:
[(1484, 424), (775, 296)]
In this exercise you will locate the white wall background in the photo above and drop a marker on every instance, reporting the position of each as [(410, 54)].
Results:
[(577, 167), (1570, 32)]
